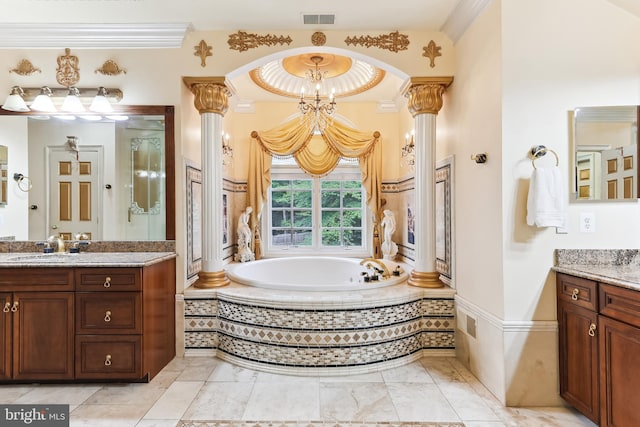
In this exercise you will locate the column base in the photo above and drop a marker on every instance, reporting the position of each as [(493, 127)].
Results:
[(214, 279), (425, 279)]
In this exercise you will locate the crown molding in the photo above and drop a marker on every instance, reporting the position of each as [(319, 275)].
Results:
[(465, 12), (93, 36)]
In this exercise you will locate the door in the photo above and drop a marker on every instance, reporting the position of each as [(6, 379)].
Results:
[(43, 336), (619, 373), (5, 336), (579, 358), (74, 191), (619, 171)]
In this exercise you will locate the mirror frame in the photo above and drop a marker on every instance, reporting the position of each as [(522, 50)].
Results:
[(168, 111), (573, 196)]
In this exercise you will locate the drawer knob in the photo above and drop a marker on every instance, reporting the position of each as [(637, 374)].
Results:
[(7, 307), (592, 330), (14, 307), (574, 294), (107, 360), (107, 316), (107, 282)]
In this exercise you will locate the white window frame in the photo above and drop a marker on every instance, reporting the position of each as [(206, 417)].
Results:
[(346, 172)]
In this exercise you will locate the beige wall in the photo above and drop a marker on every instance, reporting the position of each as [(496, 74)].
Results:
[(512, 90)]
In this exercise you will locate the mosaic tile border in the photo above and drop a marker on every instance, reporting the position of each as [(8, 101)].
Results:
[(319, 338)]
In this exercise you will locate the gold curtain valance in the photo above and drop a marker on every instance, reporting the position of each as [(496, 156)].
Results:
[(317, 156)]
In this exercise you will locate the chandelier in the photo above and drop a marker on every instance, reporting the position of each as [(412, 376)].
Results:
[(315, 105)]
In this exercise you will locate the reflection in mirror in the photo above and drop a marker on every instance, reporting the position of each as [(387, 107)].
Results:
[(147, 175), (62, 154), (604, 142), (4, 175)]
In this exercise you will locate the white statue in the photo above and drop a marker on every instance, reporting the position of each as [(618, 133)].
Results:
[(389, 248), (244, 237)]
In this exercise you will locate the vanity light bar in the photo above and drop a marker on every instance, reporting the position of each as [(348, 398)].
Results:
[(85, 94)]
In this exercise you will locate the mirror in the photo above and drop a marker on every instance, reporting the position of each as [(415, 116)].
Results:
[(106, 160), (4, 175), (604, 142)]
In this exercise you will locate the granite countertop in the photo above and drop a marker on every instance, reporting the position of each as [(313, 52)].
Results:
[(84, 259), (619, 267), (626, 276)]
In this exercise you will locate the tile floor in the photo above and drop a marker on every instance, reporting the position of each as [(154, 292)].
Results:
[(201, 388)]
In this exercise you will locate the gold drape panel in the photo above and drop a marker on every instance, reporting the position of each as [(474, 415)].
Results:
[(316, 156)]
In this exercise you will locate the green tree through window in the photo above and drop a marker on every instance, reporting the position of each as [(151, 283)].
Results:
[(324, 214)]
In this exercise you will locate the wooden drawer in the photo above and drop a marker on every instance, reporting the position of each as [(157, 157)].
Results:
[(108, 279), (36, 279), (620, 303), (108, 357), (110, 313), (582, 292)]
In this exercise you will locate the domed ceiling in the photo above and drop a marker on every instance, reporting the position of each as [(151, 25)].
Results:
[(331, 73)]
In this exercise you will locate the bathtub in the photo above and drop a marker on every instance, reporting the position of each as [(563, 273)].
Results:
[(310, 273)]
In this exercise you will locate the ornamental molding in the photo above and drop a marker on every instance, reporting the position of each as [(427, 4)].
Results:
[(393, 42), (243, 41), (202, 50), (110, 68), (432, 51), (68, 72), (25, 68)]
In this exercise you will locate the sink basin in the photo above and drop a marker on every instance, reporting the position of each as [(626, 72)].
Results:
[(55, 257)]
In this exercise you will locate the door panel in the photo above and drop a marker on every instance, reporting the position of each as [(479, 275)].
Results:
[(74, 197)]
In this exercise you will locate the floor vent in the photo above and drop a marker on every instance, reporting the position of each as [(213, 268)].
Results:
[(316, 19)]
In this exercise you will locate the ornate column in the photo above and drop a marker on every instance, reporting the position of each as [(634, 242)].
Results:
[(425, 100), (212, 101)]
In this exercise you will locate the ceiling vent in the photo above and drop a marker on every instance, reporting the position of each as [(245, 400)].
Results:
[(318, 19)]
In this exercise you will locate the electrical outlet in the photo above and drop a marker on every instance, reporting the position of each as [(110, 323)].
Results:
[(587, 222)]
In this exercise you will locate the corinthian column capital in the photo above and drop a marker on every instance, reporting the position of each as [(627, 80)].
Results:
[(425, 94), (211, 94)]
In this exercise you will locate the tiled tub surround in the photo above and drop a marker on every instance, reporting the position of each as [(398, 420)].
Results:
[(319, 333), (620, 267)]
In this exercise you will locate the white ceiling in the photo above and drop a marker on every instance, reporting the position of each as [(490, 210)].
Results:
[(236, 14)]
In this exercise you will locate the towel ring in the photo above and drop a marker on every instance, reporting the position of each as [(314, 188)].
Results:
[(539, 151)]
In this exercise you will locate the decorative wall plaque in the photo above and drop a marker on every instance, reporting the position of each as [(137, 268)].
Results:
[(202, 50), (25, 68), (67, 73), (110, 68), (243, 41), (394, 41), (318, 38), (432, 51)]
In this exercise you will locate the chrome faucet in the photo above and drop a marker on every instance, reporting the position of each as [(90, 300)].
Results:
[(58, 242), (372, 262)]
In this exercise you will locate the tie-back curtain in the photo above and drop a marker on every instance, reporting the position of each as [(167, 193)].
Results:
[(316, 156)]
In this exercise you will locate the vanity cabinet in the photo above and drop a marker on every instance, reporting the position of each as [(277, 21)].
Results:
[(87, 323), (599, 343), (578, 349), (37, 324)]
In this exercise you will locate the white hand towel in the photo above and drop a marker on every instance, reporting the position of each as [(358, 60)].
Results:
[(547, 200)]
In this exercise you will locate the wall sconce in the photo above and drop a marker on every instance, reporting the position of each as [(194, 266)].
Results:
[(227, 151), (409, 147), (42, 99)]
